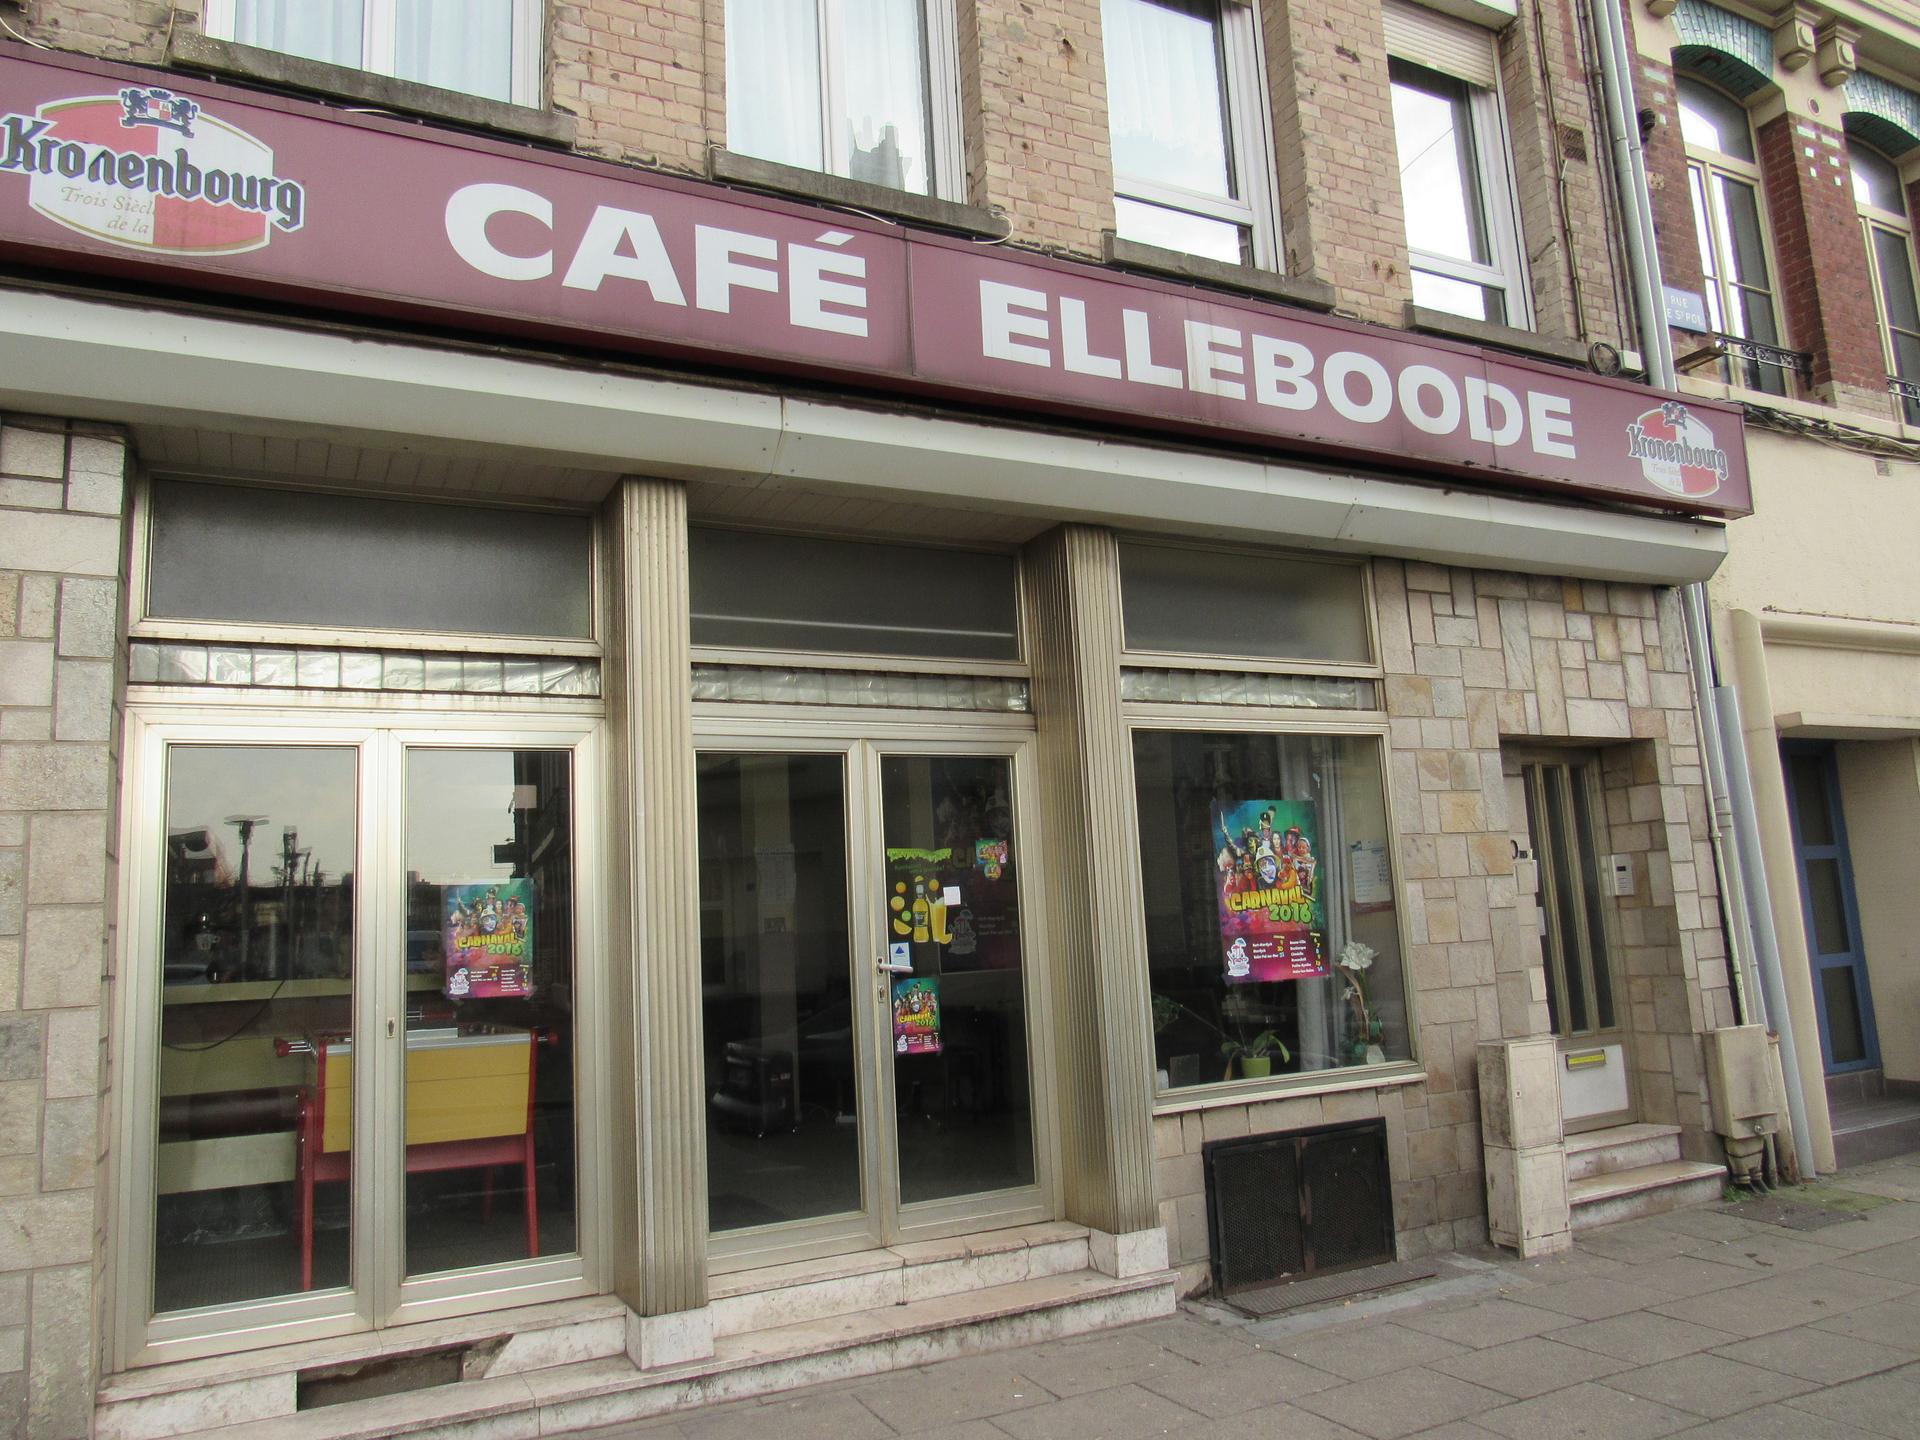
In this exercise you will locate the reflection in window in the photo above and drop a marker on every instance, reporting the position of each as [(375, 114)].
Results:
[(1456, 197), (1186, 600), (1724, 186), (1272, 937), (258, 962), (1882, 203), (489, 1044), (1187, 148), (839, 86)]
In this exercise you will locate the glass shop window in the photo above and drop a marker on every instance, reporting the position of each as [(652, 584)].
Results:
[(1272, 939), (753, 591), (1212, 602), (293, 557)]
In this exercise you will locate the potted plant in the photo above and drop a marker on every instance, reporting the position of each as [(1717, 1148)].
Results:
[(1356, 958), (1180, 1069), (1255, 1056)]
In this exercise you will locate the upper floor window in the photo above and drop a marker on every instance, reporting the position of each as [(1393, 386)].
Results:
[(1882, 203), (1723, 179), (490, 48), (1463, 229), (1188, 119), (862, 89)]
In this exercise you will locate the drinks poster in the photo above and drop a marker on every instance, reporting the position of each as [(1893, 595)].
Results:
[(916, 1015), (1267, 869), (489, 939)]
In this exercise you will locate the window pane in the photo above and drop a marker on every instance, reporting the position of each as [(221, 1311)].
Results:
[(1177, 230), (1563, 877), (1876, 181), (883, 77), (964, 1107), (1831, 934), (464, 45), (489, 1043), (1740, 238), (326, 30), (1225, 817), (773, 82), (1166, 94), (1846, 1035), (288, 557), (255, 1129), (793, 592), (1439, 177), (1591, 898), (1264, 607), (1711, 120), (1703, 239), (782, 1080), (1810, 810), (1892, 257), (1459, 297)]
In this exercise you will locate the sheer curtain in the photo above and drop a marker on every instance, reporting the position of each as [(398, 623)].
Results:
[(773, 81), (1165, 100), (464, 45), (883, 84), (325, 30)]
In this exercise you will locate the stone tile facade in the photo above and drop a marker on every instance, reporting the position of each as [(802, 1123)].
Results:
[(62, 546), (1476, 661)]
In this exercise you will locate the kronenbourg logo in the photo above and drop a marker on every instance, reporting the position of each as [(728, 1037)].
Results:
[(1677, 452), (150, 170)]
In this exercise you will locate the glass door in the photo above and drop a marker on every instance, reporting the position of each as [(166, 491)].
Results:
[(1829, 909), (866, 1019)]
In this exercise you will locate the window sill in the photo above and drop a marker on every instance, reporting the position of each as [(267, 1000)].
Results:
[(1292, 1087), (1495, 337), (1131, 255), (192, 50), (731, 168)]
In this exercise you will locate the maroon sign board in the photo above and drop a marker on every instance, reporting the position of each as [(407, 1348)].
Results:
[(143, 174)]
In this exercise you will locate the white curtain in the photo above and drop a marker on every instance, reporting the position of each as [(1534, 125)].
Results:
[(1165, 102), (325, 30), (883, 82), (464, 45), (773, 81)]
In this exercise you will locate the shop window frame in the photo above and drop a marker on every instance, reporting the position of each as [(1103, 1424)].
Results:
[(526, 36), (1247, 114), (1897, 225), (143, 625), (946, 142), (380, 1296)]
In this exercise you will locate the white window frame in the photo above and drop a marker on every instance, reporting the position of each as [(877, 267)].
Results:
[(377, 42), (1249, 145), (945, 142), (1900, 225), (1506, 271)]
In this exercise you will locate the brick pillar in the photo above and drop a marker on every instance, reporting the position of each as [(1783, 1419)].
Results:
[(1666, 159), (645, 77), (61, 608), (1824, 284)]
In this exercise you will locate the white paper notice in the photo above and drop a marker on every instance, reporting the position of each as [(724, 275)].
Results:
[(1372, 881), (950, 895)]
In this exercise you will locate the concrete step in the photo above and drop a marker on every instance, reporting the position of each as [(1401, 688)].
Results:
[(1875, 1129), (613, 1391), (778, 1295), (1620, 1147), (1647, 1190)]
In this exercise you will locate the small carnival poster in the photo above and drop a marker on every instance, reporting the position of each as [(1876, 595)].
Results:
[(1267, 873), (916, 1015), (489, 939)]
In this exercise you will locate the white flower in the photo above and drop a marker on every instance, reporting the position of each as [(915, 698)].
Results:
[(1356, 955)]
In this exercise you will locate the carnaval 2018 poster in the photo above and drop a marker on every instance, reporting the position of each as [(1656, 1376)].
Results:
[(489, 939), (1267, 870)]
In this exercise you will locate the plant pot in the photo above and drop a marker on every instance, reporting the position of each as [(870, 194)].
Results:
[(1375, 1055), (1183, 1070), (1256, 1067)]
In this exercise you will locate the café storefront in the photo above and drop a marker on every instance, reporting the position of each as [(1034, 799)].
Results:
[(684, 750)]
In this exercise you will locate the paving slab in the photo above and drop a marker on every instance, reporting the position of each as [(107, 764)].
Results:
[(1819, 1355), (1886, 1404), (1360, 1351), (1593, 1297), (1274, 1422), (1778, 1302), (1257, 1380), (1118, 1414), (1523, 1369), (1644, 1339), (1708, 1385), (1388, 1407), (1490, 1322), (1778, 1422), (974, 1388), (1587, 1412)]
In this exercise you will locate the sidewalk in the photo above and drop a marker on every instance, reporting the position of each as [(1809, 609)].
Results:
[(1698, 1323)]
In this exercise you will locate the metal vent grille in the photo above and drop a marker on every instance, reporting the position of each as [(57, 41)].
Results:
[(1282, 1206)]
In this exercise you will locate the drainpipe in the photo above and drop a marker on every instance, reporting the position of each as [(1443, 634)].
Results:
[(1735, 827)]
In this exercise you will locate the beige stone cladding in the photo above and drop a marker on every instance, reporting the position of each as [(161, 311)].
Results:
[(62, 491), (1476, 660)]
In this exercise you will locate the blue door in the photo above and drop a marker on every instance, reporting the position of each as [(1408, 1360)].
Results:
[(1828, 908)]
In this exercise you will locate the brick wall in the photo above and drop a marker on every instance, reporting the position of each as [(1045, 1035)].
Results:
[(646, 78), (61, 603), (1666, 160), (1824, 285), (1476, 660)]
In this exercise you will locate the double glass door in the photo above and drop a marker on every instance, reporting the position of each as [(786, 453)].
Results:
[(865, 931), (360, 953)]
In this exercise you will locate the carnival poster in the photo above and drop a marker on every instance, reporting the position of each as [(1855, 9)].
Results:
[(1267, 872), (489, 939), (916, 1015)]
